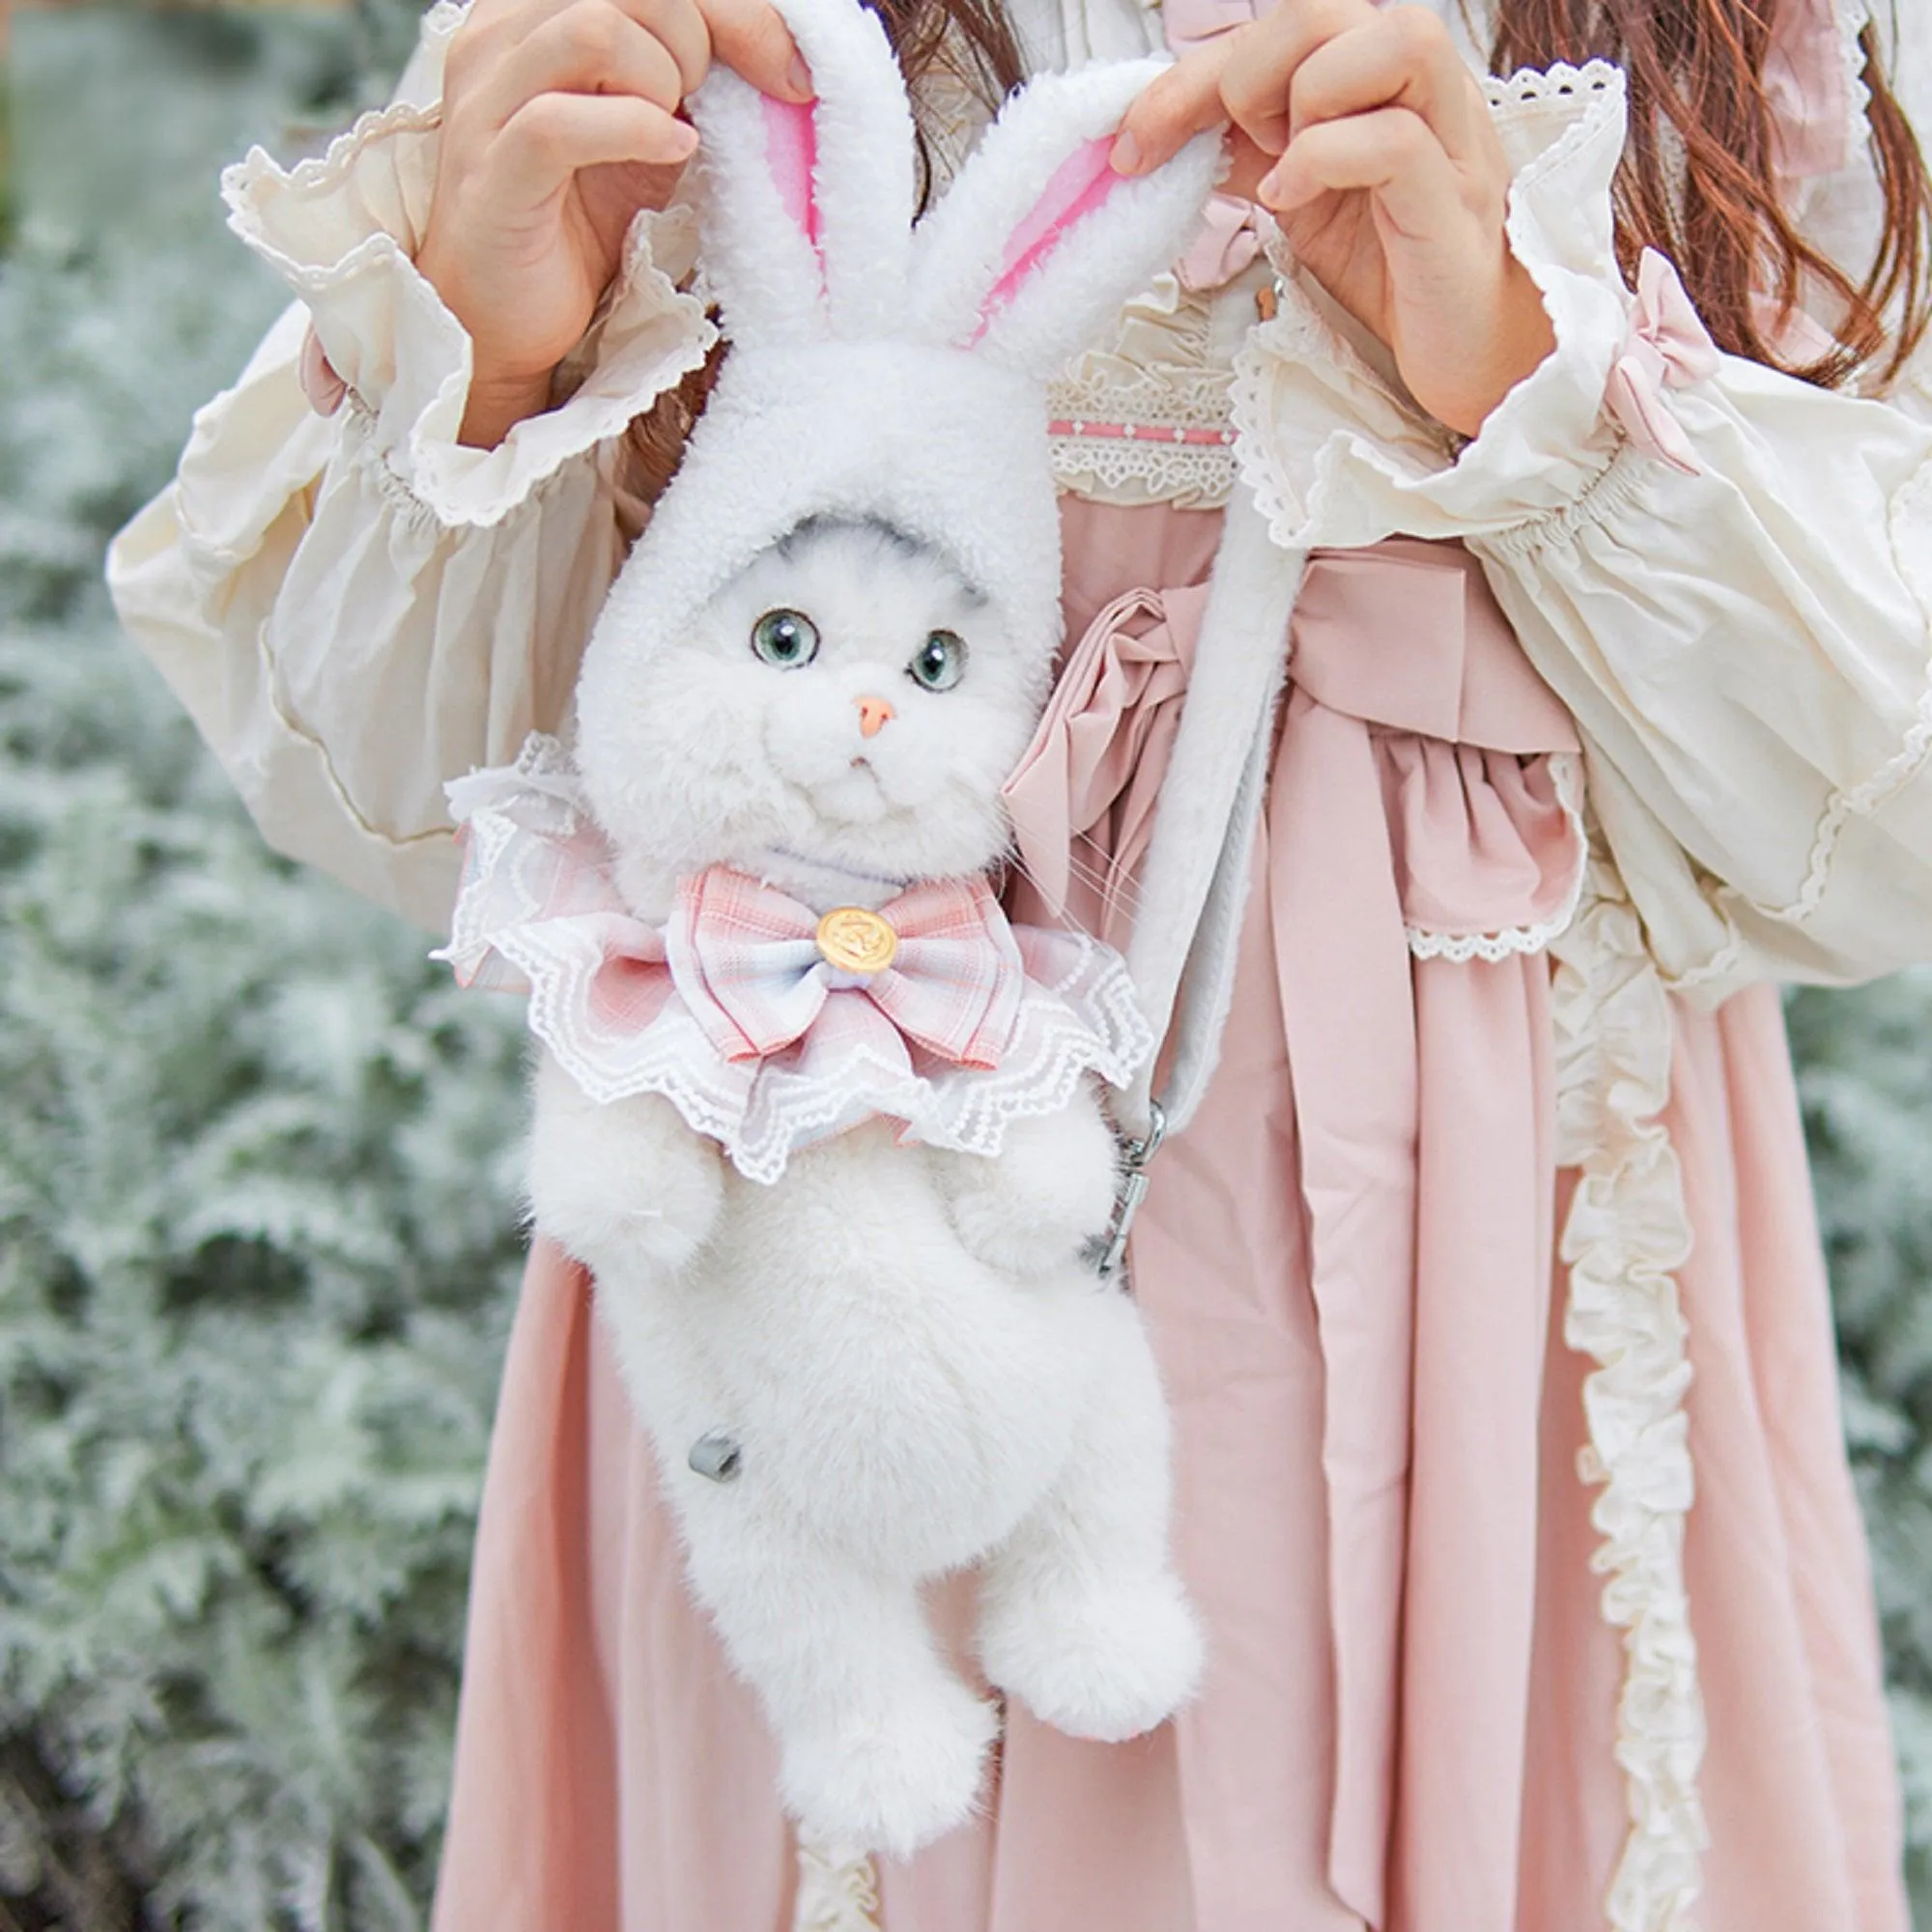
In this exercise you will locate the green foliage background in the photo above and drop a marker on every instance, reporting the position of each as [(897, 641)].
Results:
[(257, 1246)]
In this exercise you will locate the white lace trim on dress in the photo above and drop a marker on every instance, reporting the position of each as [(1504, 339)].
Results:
[(1629, 1231), (1566, 769), (1143, 436), (838, 1892)]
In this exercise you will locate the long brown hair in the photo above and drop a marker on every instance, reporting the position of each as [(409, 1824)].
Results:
[(1697, 180), (970, 41)]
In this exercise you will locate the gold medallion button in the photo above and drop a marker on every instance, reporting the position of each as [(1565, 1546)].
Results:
[(857, 940)]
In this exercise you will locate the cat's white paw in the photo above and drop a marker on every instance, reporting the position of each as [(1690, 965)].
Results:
[(892, 1782), (1103, 1658), (1047, 1193), (619, 1184)]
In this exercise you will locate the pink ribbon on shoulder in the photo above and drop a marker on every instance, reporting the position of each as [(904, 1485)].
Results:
[(325, 390), (1228, 238), (1668, 346), (1814, 104)]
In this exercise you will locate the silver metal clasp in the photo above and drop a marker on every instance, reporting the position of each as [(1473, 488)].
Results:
[(1135, 1159)]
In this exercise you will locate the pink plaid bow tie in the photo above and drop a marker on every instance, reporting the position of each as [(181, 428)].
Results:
[(757, 969)]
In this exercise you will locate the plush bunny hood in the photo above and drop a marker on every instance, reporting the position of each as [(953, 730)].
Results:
[(882, 368)]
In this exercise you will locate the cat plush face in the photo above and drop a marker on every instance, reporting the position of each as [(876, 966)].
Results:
[(847, 700)]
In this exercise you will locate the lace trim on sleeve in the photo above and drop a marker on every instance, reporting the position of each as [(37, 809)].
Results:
[(1629, 1231), (1853, 18), (1337, 456), (1559, 89), (1912, 546), (342, 229)]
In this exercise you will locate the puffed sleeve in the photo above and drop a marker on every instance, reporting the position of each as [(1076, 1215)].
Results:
[(355, 607), (1725, 572)]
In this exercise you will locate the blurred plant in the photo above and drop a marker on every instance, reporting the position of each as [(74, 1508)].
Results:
[(1866, 1074), (256, 1237)]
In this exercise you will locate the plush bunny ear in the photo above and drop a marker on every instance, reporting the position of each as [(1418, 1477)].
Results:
[(1039, 240), (810, 208)]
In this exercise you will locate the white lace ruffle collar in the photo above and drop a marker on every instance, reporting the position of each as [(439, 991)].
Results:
[(977, 1024)]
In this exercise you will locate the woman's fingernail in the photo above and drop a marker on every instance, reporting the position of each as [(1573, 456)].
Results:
[(799, 78), (683, 142), (1127, 156), (1269, 194)]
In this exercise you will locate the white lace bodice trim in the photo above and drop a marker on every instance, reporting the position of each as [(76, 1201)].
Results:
[(1629, 1231), (1142, 469), (1165, 378)]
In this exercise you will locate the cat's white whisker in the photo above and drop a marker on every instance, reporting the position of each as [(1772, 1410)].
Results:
[(1118, 890)]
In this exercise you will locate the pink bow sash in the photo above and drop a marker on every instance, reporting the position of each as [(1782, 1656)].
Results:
[(1415, 810), (745, 958), (1082, 797), (731, 1012), (1668, 346), (1404, 637), (1415, 807)]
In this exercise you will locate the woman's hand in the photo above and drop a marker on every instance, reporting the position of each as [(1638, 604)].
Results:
[(1362, 131), (560, 123)]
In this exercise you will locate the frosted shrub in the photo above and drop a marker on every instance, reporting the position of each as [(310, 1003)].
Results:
[(1865, 1063), (257, 1247)]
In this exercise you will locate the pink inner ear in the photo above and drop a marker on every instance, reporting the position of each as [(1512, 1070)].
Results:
[(1080, 184), (791, 148)]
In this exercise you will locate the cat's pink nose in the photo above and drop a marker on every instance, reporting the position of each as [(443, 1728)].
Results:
[(874, 712)]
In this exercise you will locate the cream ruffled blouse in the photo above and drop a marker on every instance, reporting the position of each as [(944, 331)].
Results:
[(356, 607)]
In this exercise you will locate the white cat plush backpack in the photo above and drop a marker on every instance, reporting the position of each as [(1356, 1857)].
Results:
[(826, 1129)]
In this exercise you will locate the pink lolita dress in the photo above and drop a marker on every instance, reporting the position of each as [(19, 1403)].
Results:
[(1511, 1478)]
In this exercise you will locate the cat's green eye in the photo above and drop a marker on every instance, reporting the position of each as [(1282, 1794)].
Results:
[(941, 662), (786, 638)]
